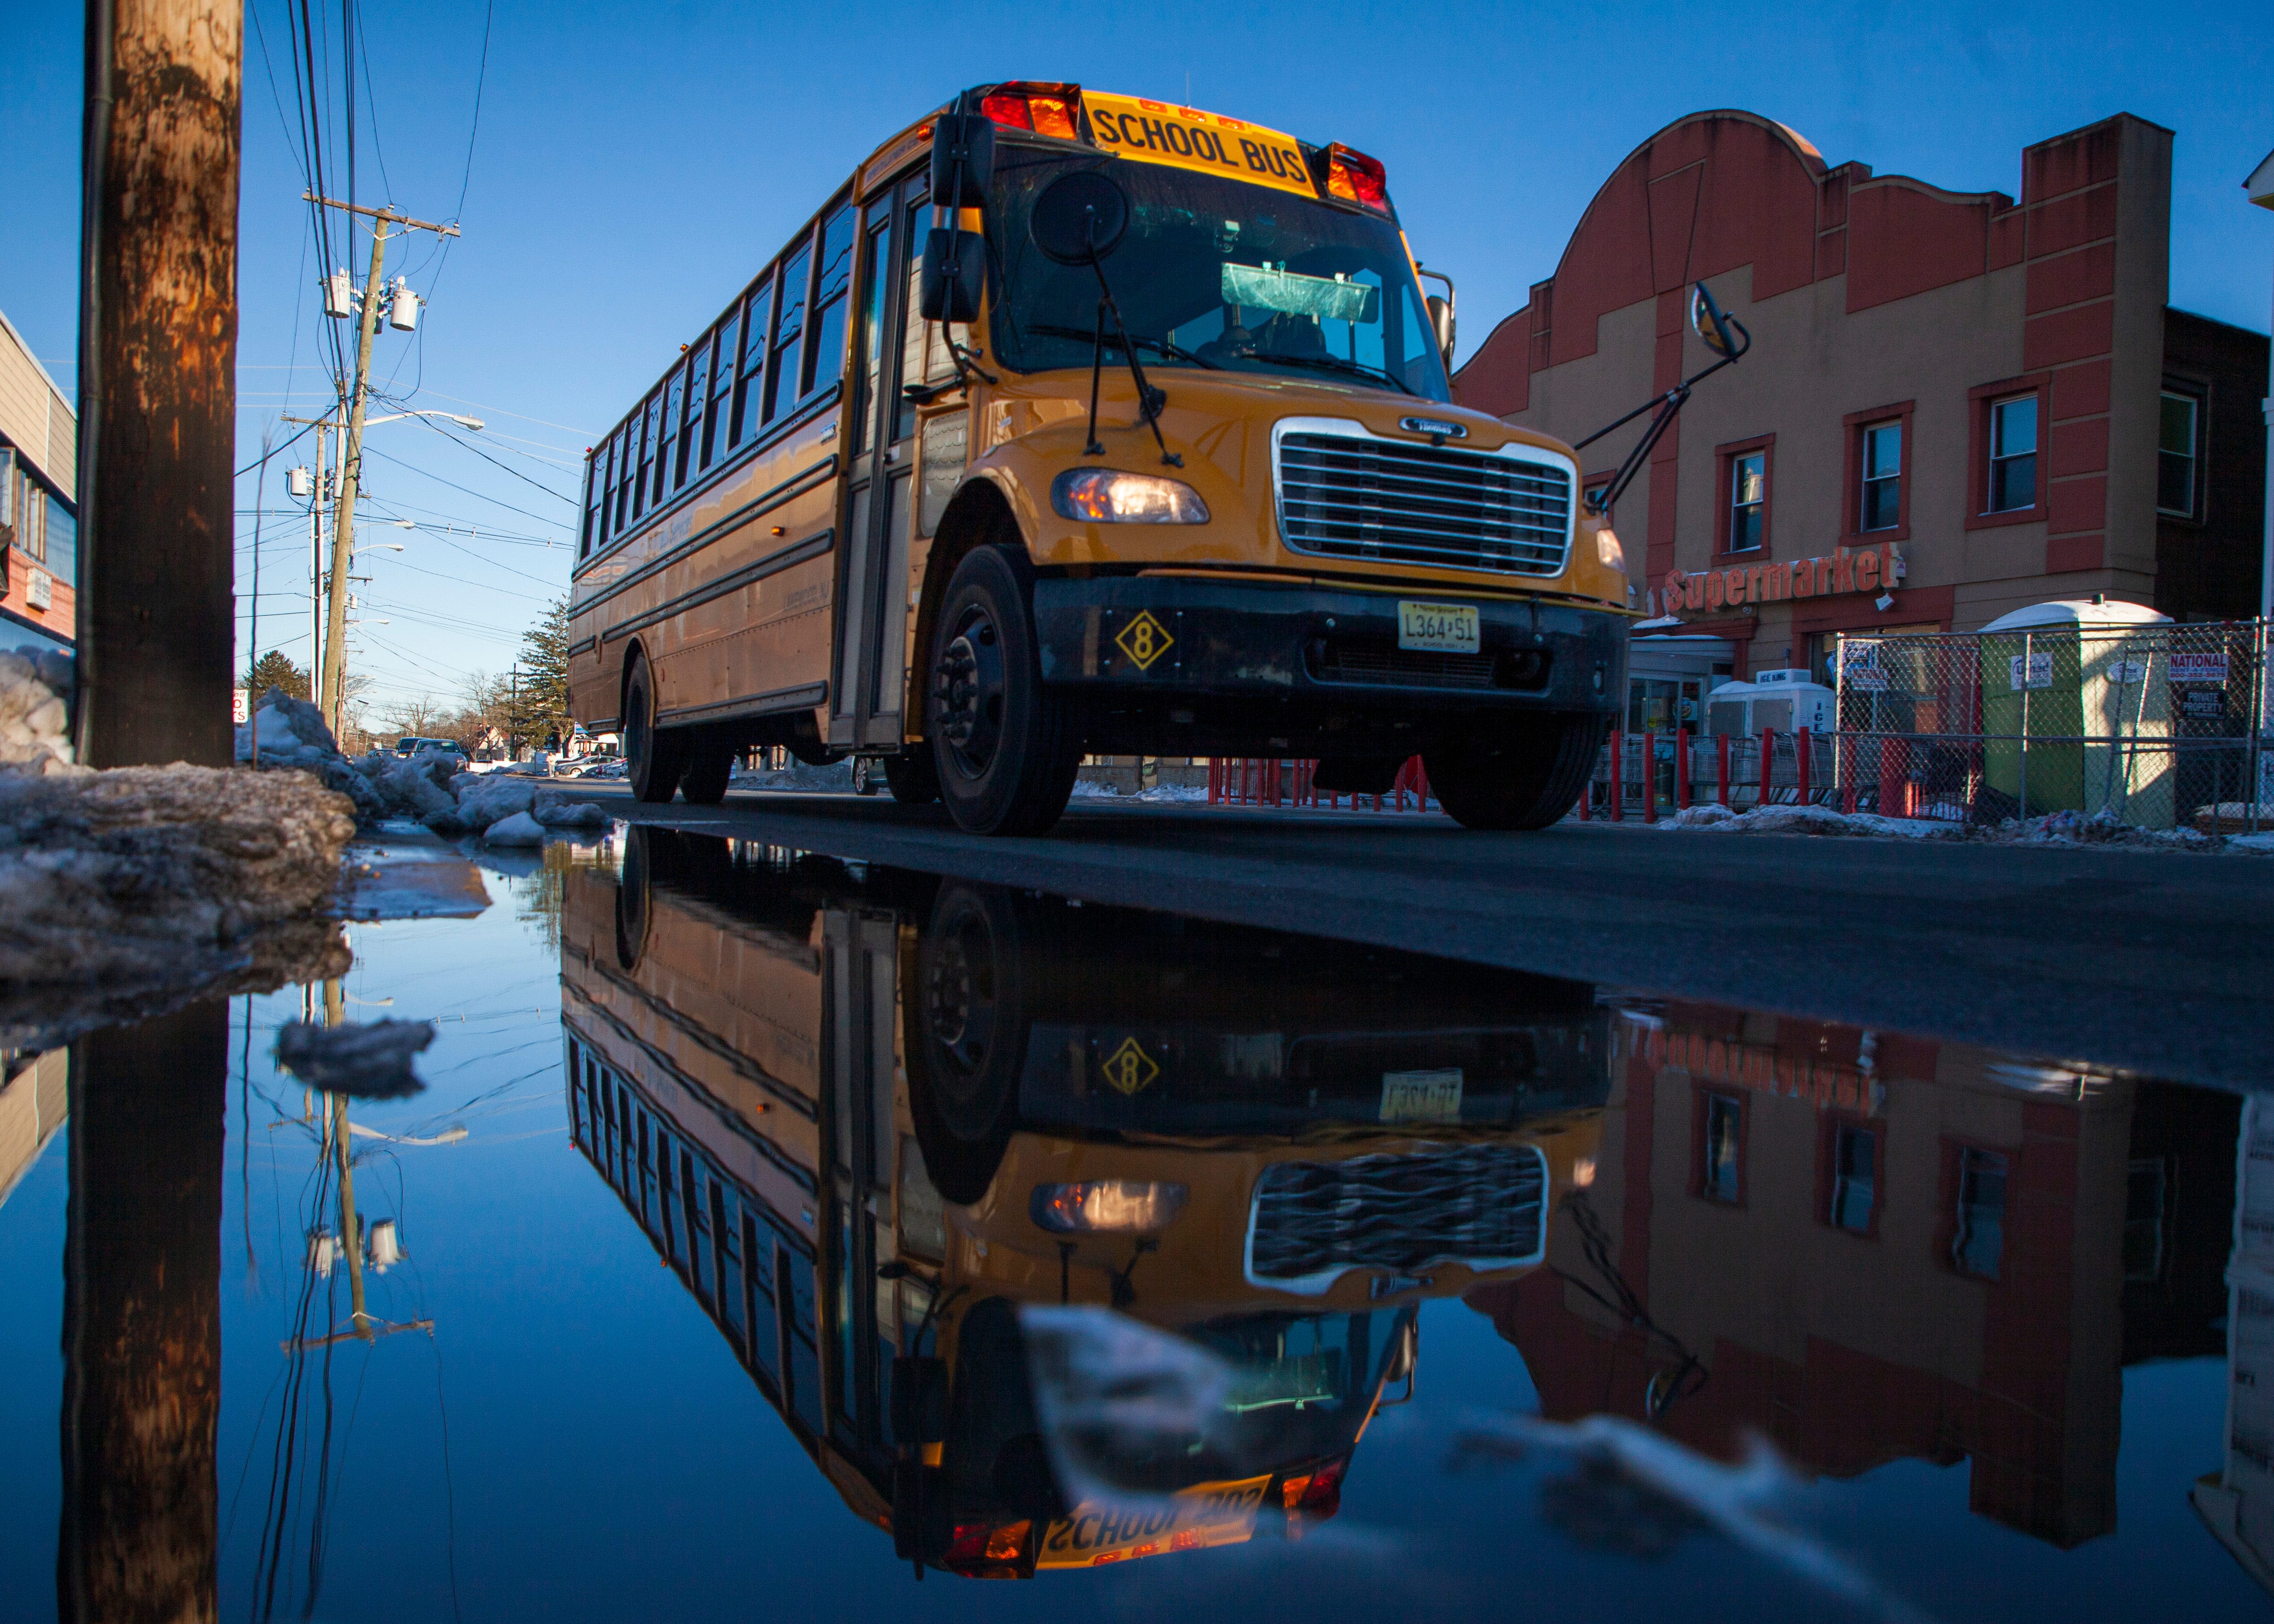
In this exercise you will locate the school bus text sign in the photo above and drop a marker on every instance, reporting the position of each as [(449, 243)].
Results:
[(1187, 138), (1739, 586)]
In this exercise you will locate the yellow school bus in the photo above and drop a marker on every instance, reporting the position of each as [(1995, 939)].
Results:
[(1079, 422), (884, 1127)]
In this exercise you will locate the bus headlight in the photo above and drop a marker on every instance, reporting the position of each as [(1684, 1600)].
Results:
[(1106, 1205), (1608, 550), (1103, 496)]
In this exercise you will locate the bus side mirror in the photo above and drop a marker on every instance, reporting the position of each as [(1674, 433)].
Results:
[(962, 160), (1713, 328), (955, 275), (1441, 323)]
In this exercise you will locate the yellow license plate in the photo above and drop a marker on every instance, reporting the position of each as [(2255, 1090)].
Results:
[(1097, 1532), (1440, 629)]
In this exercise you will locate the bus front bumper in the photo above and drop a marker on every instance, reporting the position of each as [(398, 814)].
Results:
[(1125, 637)]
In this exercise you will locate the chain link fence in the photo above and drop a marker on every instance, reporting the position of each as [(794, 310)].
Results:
[(2157, 727)]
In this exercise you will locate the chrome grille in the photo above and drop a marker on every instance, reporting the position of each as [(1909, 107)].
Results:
[(1480, 1205), (1345, 497)]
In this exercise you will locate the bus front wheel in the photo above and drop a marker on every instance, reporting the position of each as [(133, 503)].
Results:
[(1003, 744), (655, 759), (1525, 777)]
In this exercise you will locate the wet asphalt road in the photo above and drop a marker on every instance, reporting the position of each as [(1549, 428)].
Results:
[(2159, 963)]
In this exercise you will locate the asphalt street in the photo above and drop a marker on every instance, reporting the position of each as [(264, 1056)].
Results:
[(2160, 963)]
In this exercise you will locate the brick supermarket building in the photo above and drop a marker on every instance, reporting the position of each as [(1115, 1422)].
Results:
[(1955, 403)]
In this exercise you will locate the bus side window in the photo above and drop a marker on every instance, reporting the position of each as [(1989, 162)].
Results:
[(648, 417), (748, 399), (595, 493), (698, 391), (675, 400), (789, 327), (626, 439), (868, 343), (722, 384), (825, 354)]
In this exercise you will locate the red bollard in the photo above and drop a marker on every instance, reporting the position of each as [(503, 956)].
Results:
[(1650, 776), (1897, 793), (1800, 761), (1722, 788), (1847, 746), (1681, 768), (1618, 778)]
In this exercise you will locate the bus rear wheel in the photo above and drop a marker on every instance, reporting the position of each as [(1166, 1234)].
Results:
[(655, 759), (1002, 743), (1525, 777), (707, 773)]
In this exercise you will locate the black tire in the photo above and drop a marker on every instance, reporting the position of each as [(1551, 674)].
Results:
[(1003, 745), (864, 775), (707, 777), (911, 776), (655, 758), (1527, 776), (969, 1026)]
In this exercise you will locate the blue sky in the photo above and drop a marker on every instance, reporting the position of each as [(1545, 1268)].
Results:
[(635, 163)]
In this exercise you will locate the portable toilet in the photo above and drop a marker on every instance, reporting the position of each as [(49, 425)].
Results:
[(2088, 676), (1773, 702)]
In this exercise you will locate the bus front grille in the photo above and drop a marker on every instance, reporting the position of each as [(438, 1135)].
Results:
[(1482, 1205), (1341, 496)]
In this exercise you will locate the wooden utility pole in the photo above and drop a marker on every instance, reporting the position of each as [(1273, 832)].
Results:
[(157, 383), (351, 455), (142, 1320)]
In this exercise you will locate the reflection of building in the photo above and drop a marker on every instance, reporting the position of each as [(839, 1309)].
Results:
[(34, 1099), (867, 1116), (39, 528), (2236, 1502), (1996, 390), (1866, 1249)]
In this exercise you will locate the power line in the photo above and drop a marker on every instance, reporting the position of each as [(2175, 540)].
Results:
[(454, 485)]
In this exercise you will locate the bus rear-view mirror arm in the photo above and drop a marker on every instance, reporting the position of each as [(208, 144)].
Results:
[(1722, 334), (954, 262)]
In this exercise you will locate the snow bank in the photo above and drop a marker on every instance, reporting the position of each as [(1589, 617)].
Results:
[(1179, 795), (126, 891), (2067, 828), (519, 830), (293, 738), (36, 685), (1808, 820), (369, 1060)]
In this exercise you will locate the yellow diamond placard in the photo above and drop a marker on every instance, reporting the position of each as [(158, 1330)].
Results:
[(1130, 1069), (1143, 640)]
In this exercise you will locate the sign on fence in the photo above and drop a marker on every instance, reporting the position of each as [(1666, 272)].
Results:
[(2203, 704), (2041, 671), (2203, 666)]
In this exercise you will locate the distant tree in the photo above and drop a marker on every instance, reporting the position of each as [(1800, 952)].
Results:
[(274, 670), (417, 714), (539, 695)]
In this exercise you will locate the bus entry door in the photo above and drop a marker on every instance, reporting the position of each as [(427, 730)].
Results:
[(872, 582)]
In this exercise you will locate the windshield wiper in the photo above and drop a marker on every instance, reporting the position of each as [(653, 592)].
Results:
[(1337, 364), (1112, 342)]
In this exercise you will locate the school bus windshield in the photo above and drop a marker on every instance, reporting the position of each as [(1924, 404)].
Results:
[(1218, 273)]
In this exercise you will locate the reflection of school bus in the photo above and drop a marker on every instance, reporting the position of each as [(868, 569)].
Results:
[(924, 492), (868, 1119)]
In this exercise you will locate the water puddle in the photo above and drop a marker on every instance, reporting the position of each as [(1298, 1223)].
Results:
[(765, 1232)]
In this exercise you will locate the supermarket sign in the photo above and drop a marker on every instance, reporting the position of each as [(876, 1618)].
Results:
[(1837, 575)]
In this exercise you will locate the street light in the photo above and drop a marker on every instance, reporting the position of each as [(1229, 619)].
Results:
[(396, 416)]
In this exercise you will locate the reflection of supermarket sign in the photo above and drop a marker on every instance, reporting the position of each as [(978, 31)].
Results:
[(2198, 665), (1873, 569)]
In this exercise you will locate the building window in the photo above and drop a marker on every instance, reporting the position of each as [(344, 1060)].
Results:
[(1978, 1247), (1749, 490), (1854, 1157), (1721, 1149), (2175, 454), (1883, 476), (2013, 454), (2146, 1185)]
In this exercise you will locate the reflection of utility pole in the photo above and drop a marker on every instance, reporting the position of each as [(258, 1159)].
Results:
[(512, 712), (142, 1319), (351, 453)]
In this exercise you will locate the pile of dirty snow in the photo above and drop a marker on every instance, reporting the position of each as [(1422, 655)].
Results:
[(1160, 795), (801, 775), (2067, 828), (35, 686), (1807, 820), (292, 737), (130, 890)]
